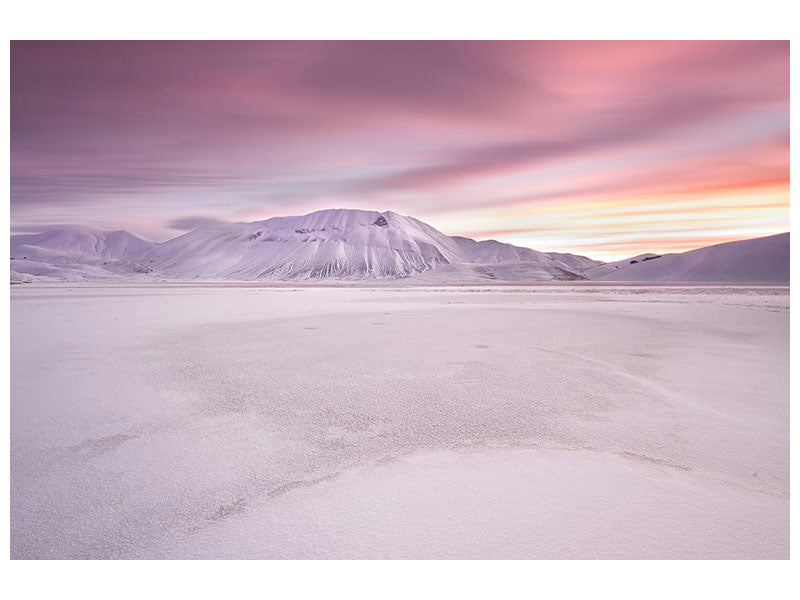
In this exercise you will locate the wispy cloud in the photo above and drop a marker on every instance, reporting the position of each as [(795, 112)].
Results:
[(189, 223), (145, 131)]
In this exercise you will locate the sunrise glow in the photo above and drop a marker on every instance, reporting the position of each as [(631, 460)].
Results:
[(604, 148)]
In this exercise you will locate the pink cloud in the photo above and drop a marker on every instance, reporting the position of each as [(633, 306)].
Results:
[(291, 124)]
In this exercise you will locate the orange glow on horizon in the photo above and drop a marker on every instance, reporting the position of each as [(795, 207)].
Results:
[(604, 148), (611, 230)]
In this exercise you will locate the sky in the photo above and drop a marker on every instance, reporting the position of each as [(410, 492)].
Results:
[(607, 149)]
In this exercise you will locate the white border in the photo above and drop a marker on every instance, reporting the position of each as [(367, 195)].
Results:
[(358, 19)]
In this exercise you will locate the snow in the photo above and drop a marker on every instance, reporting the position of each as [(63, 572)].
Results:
[(330, 243), (338, 244), (77, 253), (576, 262), (352, 245), (518, 503), (760, 260), (334, 243), (80, 242), (591, 421)]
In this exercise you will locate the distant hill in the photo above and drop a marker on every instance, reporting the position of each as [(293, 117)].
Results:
[(759, 260), (74, 252)]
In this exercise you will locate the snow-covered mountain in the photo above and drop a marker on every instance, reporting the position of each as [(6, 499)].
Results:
[(328, 244), (575, 262), (759, 260), (344, 244), (338, 244), (75, 252), (79, 241)]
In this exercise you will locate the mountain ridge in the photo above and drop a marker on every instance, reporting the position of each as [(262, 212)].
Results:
[(756, 260), (353, 245)]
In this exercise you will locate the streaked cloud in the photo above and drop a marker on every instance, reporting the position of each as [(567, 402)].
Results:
[(517, 137), (190, 223)]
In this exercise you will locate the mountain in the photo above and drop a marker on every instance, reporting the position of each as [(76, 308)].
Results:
[(759, 260), (575, 262), (341, 244), (328, 244), (75, 252)]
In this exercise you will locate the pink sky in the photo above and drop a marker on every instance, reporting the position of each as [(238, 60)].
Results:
[(605, 148)]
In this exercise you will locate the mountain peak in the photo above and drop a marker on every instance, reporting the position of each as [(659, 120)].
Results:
[(355, 244), (337, 243)]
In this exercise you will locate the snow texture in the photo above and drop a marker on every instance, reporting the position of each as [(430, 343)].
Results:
[(235, 421)]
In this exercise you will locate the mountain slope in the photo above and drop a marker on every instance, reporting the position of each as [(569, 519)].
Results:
[(575, 262), (345, 244), (759, 260), (337, 244), (81, 242), (75, 252)]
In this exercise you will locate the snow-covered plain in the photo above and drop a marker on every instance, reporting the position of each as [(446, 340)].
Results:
[(228, 421)]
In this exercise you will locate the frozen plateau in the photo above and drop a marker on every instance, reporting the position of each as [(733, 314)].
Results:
[(181, 421), (357, 384)]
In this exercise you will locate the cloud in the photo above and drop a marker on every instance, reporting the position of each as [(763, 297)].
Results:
[(619, 128), (146, 130), (190, 223)]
